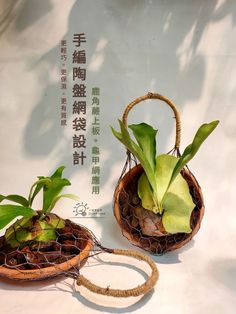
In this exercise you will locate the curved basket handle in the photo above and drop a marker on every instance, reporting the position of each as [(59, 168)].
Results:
[(140, 290), (167, 101)]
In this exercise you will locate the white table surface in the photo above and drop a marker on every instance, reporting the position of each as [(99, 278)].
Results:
[(182, 49)]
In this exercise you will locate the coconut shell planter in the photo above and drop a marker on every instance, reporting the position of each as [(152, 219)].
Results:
[(42, 260), (158, 202), (42, 245)]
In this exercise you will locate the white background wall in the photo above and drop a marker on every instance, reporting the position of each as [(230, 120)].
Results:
[(182, 49)]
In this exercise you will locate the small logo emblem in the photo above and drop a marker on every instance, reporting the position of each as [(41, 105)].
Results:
[(80, 209)]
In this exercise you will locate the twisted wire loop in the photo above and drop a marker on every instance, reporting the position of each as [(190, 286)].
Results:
[(168, 102), (139, 290)]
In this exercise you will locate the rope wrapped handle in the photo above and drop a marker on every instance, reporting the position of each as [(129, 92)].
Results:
[(139, 290), (168, 102)]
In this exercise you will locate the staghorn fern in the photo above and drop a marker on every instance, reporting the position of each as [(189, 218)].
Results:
[(35, 225), (161, 187)]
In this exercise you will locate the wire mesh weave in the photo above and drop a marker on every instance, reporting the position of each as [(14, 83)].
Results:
[(39, 260), (126, 202), (64, 256)]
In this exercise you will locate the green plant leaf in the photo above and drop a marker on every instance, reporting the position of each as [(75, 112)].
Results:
[(51, 191), (20, 232), (15, 198), (37, 187), (49, 227), (27, 229), (56, 199), (164, 169), (145, 193), (124, 138), (51, 186), (58, 173), (178, 206), (45, 183), (165, 165), (146, 137), (203, 132), (9, 212), (156, 188)]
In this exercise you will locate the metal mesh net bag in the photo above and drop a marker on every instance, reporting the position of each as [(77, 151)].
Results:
[(40, 260), (133, 219), (65, 256)]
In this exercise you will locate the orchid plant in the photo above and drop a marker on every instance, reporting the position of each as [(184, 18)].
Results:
[(161, 187), (34, 225)]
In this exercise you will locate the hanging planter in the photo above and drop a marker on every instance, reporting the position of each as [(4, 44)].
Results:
[(158, 203), (42, 260), (42, 245)]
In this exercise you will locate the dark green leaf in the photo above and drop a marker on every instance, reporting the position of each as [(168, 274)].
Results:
[(15, 198), (9, 212)]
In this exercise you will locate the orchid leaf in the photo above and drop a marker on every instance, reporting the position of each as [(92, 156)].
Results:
[(203, 132), (15, 198), (178, 206), (146, 137), (9, 212)]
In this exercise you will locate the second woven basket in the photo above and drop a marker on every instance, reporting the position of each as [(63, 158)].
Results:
[(128, 207)]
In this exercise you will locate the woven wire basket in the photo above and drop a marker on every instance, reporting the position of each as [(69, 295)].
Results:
[(65, 256), (126, 198)]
